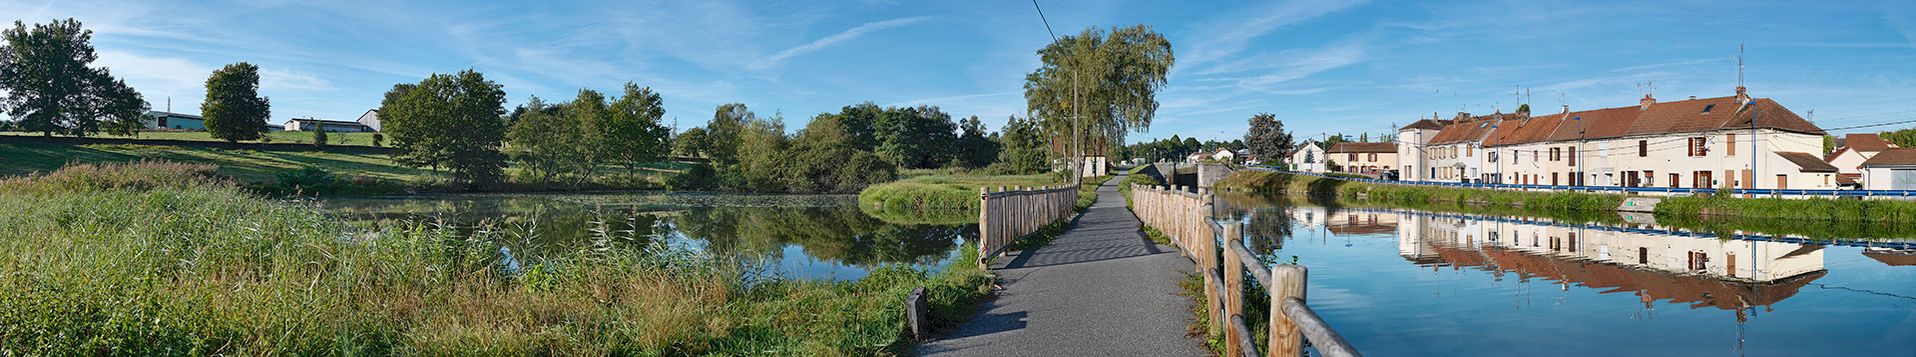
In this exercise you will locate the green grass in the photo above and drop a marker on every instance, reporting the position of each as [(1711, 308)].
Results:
[(923, 196), (263, 170), (162, 259), (294, 137)]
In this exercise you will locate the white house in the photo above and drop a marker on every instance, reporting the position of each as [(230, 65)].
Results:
[(1308, 157), (1892, 169), (336, 126), (1224, 154), (1413, 146), (1849, 156), (1366, 158), (1696, 143)]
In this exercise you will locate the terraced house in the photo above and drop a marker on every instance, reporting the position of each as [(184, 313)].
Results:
[(1363, 158), (1733, 141)]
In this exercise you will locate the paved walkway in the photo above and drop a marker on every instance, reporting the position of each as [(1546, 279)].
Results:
[(1101, 289)]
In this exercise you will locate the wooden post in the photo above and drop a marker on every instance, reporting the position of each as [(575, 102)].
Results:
[(984, 227), (1288, 283), (1233, 287)]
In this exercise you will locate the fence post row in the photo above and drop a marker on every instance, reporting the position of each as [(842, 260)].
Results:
[(1011, 213), (1218, 252)]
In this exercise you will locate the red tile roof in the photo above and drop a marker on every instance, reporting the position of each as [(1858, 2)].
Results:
[(1348, 147), (1893, 157), (1806, 162), (1685, 116), (1866, 142), (1427, 124)]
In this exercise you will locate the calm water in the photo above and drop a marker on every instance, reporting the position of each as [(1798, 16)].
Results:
[(1406, 282), (806, 237)]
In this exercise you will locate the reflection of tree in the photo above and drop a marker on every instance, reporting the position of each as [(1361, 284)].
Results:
[(842, 234), (1267, 229)]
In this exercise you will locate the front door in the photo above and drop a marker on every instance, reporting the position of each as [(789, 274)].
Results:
[(1782, 182), (1702, 180), (1674, 179), (1630, 179)]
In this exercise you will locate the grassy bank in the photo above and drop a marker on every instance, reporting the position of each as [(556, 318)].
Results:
[(312, 172), (154, 259), (1321, 188), (294, 137)]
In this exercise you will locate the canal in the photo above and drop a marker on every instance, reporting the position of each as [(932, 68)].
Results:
[(782, 237), (1398, 281)]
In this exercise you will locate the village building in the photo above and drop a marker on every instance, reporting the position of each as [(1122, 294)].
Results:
[(1733, 141), (1224, 154), (1892, 169), (1412, 147), (336, 126), (159, 120), (370, 119), (1308, 157), (1363, 158), (1850, 153)]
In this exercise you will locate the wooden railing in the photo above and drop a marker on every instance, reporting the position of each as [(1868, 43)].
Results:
[(1010, 214), (1218, 251)]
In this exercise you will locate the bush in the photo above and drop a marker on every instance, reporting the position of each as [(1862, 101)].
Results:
[(700, 177)]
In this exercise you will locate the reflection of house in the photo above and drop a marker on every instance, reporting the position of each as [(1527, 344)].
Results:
[(1701, 271), (1361, 222), (174, 121), (1892, 257)]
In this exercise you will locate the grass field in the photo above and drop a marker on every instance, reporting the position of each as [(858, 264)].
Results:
[(295, 137), (165, 259)]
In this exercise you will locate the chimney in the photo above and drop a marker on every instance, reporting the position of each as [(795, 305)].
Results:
[(1646, 102), (1693, 97), (1742, 95)]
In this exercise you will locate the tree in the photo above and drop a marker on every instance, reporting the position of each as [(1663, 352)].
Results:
[(379, 139), (233, 109), (916, 137), (974, 148), (1267, 139), (1023, 147), (722, 133), (448, 120), (545, 140), (50, 89), (319, 135), (631, 131), (1902, 138), (691, 143), (1106, 82)]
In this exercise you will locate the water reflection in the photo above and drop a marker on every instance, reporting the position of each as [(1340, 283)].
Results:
[(1411, 282), (803, 237)]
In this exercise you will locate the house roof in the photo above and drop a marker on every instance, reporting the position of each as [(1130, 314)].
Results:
[(1806, 162), (1866, 142), (156, 113), (1893, 157), (1468, 130), (1849, 178), (1348, 147), (1522, 131), (1431, 124)]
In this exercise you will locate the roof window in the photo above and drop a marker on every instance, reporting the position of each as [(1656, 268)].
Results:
[(1706, 108)]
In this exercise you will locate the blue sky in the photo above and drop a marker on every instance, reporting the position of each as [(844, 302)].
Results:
[(1322, 66)]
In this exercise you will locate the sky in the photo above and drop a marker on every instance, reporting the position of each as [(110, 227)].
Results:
[(1325, 66)]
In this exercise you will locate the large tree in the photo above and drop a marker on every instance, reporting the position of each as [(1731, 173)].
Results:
[(50, 89), (1267, 139), (918, 137), (1105, 82), (450, 121), (544, 140), (630, 132), (233, 109), (1023, 147), (975, 148)]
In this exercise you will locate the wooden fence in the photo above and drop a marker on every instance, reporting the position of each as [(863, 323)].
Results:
[(1221, 257), (1010, 214)]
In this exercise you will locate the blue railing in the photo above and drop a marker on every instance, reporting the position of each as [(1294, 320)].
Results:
[(1663, 190)]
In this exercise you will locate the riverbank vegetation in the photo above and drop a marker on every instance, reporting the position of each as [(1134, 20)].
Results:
[(1317, 187), (175, 260)]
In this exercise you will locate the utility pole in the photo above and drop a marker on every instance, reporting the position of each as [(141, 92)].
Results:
[(1077, 134)]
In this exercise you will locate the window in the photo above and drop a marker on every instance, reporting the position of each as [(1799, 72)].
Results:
[(1372, 157), (1729, 144), (1698, 147), (1467, 151), (1706, 108), (1573, 156), (1556, 154), (1353, 157), (1643, 148)]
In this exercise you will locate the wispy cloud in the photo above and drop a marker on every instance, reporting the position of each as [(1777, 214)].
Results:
[(834, 39), (1302, 64), (1226, 36), (286, 79)]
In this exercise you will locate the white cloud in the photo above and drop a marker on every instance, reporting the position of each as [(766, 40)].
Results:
[(286, 79), (1226, 36), (1309, 64), (828, 41)]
